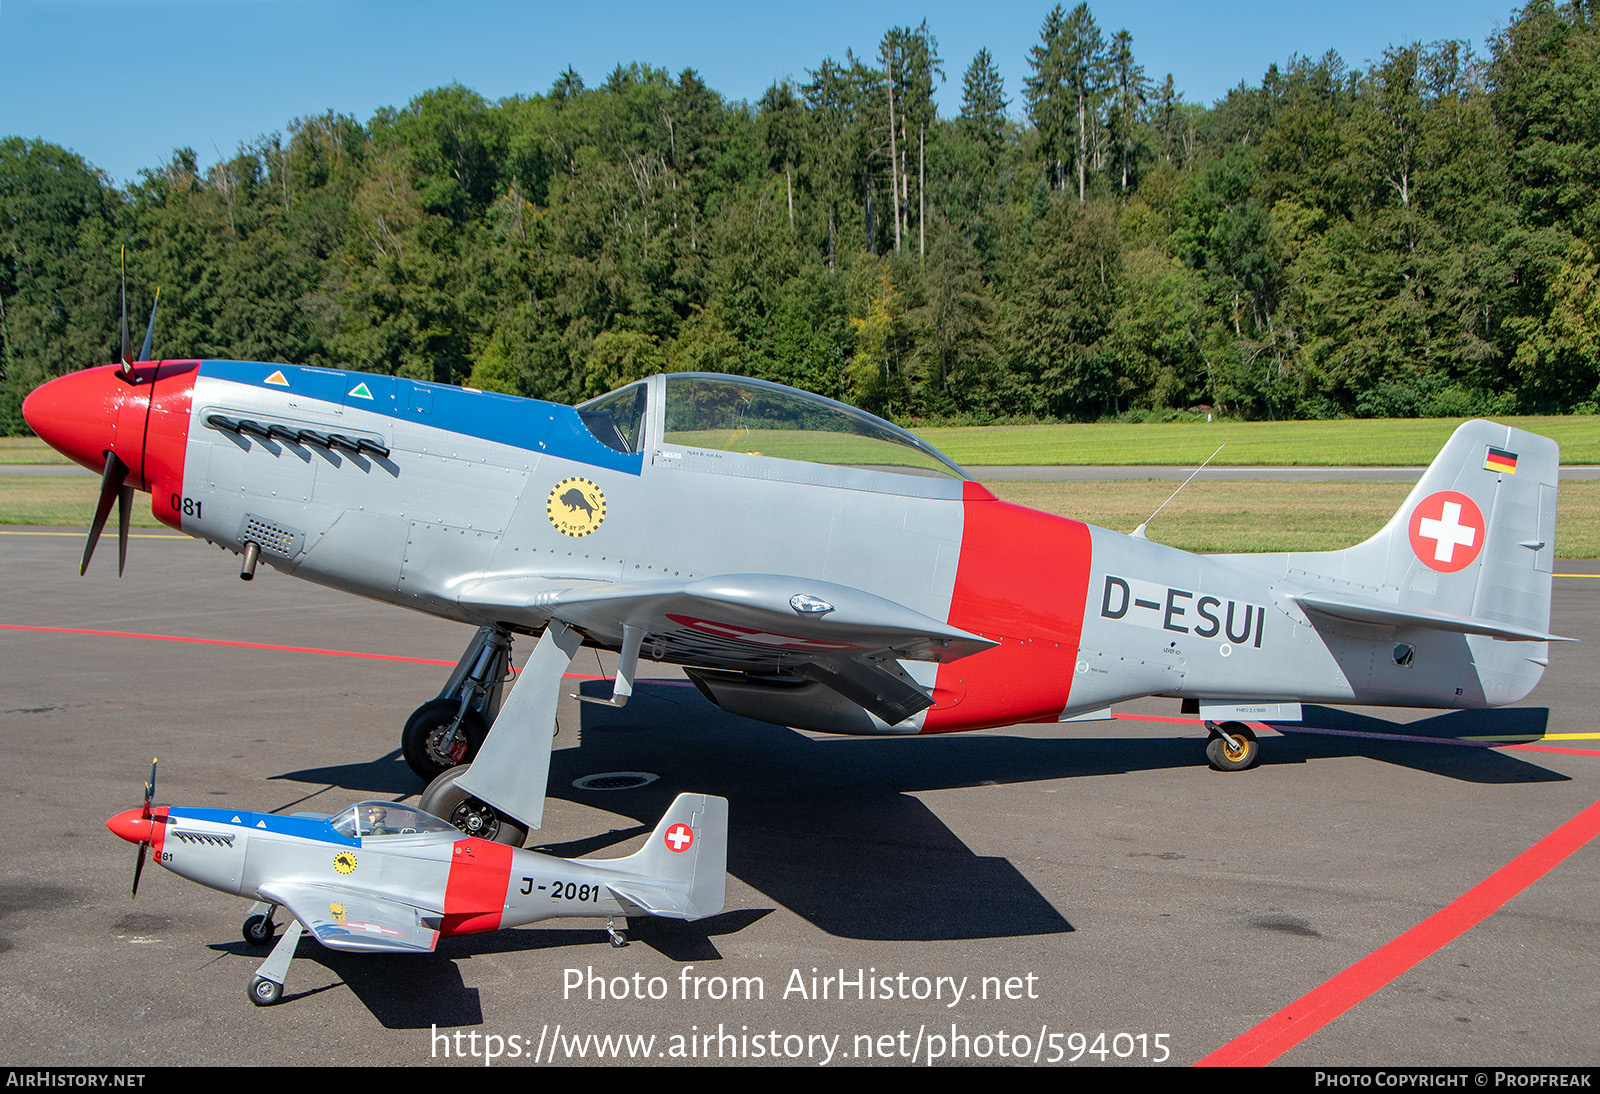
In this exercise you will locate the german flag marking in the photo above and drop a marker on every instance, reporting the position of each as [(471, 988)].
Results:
[(1501, 461)]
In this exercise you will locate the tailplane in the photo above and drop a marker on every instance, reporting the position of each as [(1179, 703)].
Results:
[(1470, 552), (682, 870)]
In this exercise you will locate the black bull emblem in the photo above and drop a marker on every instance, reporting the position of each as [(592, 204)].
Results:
[(574, 500)]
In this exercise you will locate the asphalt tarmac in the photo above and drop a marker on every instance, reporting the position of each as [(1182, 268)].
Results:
[(1115, 900)]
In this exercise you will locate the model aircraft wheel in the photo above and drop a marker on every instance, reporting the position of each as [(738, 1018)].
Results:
[(472, 815), (264, 992), (1233, 747), (423, 739), (258, 930)]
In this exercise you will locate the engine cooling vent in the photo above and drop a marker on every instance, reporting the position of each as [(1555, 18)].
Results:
[(272, 537)]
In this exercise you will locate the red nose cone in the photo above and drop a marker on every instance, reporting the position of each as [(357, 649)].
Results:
[(77, 415), (132, 825)]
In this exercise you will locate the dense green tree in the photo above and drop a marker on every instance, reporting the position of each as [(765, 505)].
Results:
[(1415, 237)]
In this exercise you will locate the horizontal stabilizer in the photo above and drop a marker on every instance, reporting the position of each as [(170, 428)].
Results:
[(682, 871), (1359, 610), (642, 898)]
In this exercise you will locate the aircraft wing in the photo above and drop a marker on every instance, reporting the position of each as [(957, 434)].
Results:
[(842, 637), (343, 920), (768, 614)]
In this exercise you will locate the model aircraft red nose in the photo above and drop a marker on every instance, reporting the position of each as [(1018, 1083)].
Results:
[(85, 414), (132, 825)]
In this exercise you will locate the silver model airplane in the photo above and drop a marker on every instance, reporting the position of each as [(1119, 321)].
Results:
[(384, 877), (807, 563)]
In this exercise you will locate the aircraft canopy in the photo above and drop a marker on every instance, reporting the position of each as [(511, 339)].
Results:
[(738, 414)]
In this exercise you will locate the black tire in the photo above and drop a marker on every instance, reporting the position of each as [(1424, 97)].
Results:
[(1233, 747), (264, 993), (474, 817), (420, 740), (258, 930)]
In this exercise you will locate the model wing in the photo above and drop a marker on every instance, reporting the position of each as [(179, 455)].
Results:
[(343, 920)]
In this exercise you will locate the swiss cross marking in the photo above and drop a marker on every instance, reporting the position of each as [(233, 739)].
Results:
[(1447, 531), (680, 837)]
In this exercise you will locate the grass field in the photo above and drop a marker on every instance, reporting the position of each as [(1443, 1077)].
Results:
[(1391, 442), (1208, 516), (1270, 516), (28, 450)]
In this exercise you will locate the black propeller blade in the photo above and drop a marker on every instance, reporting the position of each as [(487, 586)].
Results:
[(113, 487), (149, 331), (114, 481), (144, 845)]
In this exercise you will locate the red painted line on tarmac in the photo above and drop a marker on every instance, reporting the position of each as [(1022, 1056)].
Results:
[(227, 642), (290, 649), (1300, 1019)]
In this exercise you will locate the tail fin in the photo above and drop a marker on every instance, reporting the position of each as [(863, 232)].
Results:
[(682, 870), (1471, 552)]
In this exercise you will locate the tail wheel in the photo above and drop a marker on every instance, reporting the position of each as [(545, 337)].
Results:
[(1233, 747)]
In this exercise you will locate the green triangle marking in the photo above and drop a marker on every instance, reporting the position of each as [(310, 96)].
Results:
[(360, 391)]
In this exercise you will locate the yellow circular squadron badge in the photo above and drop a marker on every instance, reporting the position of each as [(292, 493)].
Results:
[(344, 862), (576, 507)]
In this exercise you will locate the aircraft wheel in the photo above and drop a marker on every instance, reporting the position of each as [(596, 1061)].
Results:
[(258, 930), (264, 992), (473, 816), (422, 741), (1233, 747)]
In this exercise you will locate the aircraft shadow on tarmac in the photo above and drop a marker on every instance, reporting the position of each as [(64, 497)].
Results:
[(1458, 744), (417, 991), (830, 827)]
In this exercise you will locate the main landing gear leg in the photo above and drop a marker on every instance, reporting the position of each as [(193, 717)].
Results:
[(1232, 747), (267, 987), (512, 769), (449, 729)]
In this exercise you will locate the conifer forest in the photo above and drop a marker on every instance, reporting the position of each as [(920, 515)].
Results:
[(1414, 238)]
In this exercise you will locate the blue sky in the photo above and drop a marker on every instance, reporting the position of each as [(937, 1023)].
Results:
[(124, 82)]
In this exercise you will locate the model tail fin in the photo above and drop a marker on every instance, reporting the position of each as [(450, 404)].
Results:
[(682, 870)]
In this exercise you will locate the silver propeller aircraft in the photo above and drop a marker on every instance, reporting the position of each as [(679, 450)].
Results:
[(807, 563), (381, 877)]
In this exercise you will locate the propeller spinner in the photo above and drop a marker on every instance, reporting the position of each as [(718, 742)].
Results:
[(120, 422)]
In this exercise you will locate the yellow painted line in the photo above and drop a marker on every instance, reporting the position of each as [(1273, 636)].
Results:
[(1536, 737), (80, 535), (1575, 575)]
